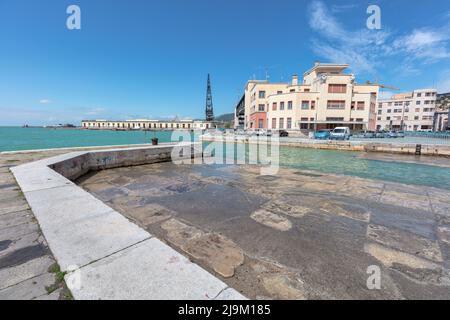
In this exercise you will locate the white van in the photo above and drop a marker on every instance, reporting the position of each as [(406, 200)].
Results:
[(340, 133)]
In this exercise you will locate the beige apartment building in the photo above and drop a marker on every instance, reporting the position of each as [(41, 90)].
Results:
[(145, 124), (325, 98), (411, 111)]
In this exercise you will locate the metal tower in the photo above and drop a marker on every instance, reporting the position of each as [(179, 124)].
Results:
[(209, 104)]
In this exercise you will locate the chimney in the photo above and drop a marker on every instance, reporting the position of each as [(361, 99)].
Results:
[(295, 80)]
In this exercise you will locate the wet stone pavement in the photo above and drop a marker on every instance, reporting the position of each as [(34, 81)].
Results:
[(295, 235)]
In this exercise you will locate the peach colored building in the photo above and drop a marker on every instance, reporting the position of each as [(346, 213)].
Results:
[(325, 98)]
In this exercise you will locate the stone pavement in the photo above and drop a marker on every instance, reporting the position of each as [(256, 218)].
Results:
[(27, 267), (26, 263)]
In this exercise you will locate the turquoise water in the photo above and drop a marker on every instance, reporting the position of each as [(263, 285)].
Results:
[(329, 161), (349, 163), (16, 138)]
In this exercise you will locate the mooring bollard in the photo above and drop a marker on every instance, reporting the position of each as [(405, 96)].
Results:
[(418, 149)]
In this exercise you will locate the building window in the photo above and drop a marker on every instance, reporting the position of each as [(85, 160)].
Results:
[(419, 94), (261, 94), (335, 119), (274, 123), (360, 105), (292, 90), (380, 111), (336, 104), (305, 105), (303, 123), (279, 92), (274, 106), (306, 90), (417, 109), (313, 105), (260, 123), (417, 102), (388, 118), (281, 105), (260, 107), (281, 123), (337, 88), (389, 110), (289, 123), (289, 105)]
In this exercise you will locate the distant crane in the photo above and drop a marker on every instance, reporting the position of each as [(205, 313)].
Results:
[(209, 112)]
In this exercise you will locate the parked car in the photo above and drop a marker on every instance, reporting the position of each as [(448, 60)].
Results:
[(380, 134), (322, 134), (283, 133), (340, 133), (392, 134), (368, 134), (401, 134)]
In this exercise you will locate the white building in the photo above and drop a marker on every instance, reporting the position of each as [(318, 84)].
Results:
[(411, 111), (145, 124)]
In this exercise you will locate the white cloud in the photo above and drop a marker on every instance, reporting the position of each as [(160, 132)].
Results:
[(427, 44), (359, 48), (45, 101), (366, 50)]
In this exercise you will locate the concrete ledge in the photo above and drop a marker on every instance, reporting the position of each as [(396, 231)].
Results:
[(148, 270), (366, 146), (114, 258)]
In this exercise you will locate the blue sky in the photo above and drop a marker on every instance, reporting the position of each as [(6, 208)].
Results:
[(150, 58)]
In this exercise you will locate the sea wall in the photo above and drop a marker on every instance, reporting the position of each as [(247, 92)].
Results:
[(365, 146)]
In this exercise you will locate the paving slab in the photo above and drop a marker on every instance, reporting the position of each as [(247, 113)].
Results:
[(149, 270), (15, 218), (16, 232), (28, 289), (33, 268), (83, 230), (17, 242), (37, 178)]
